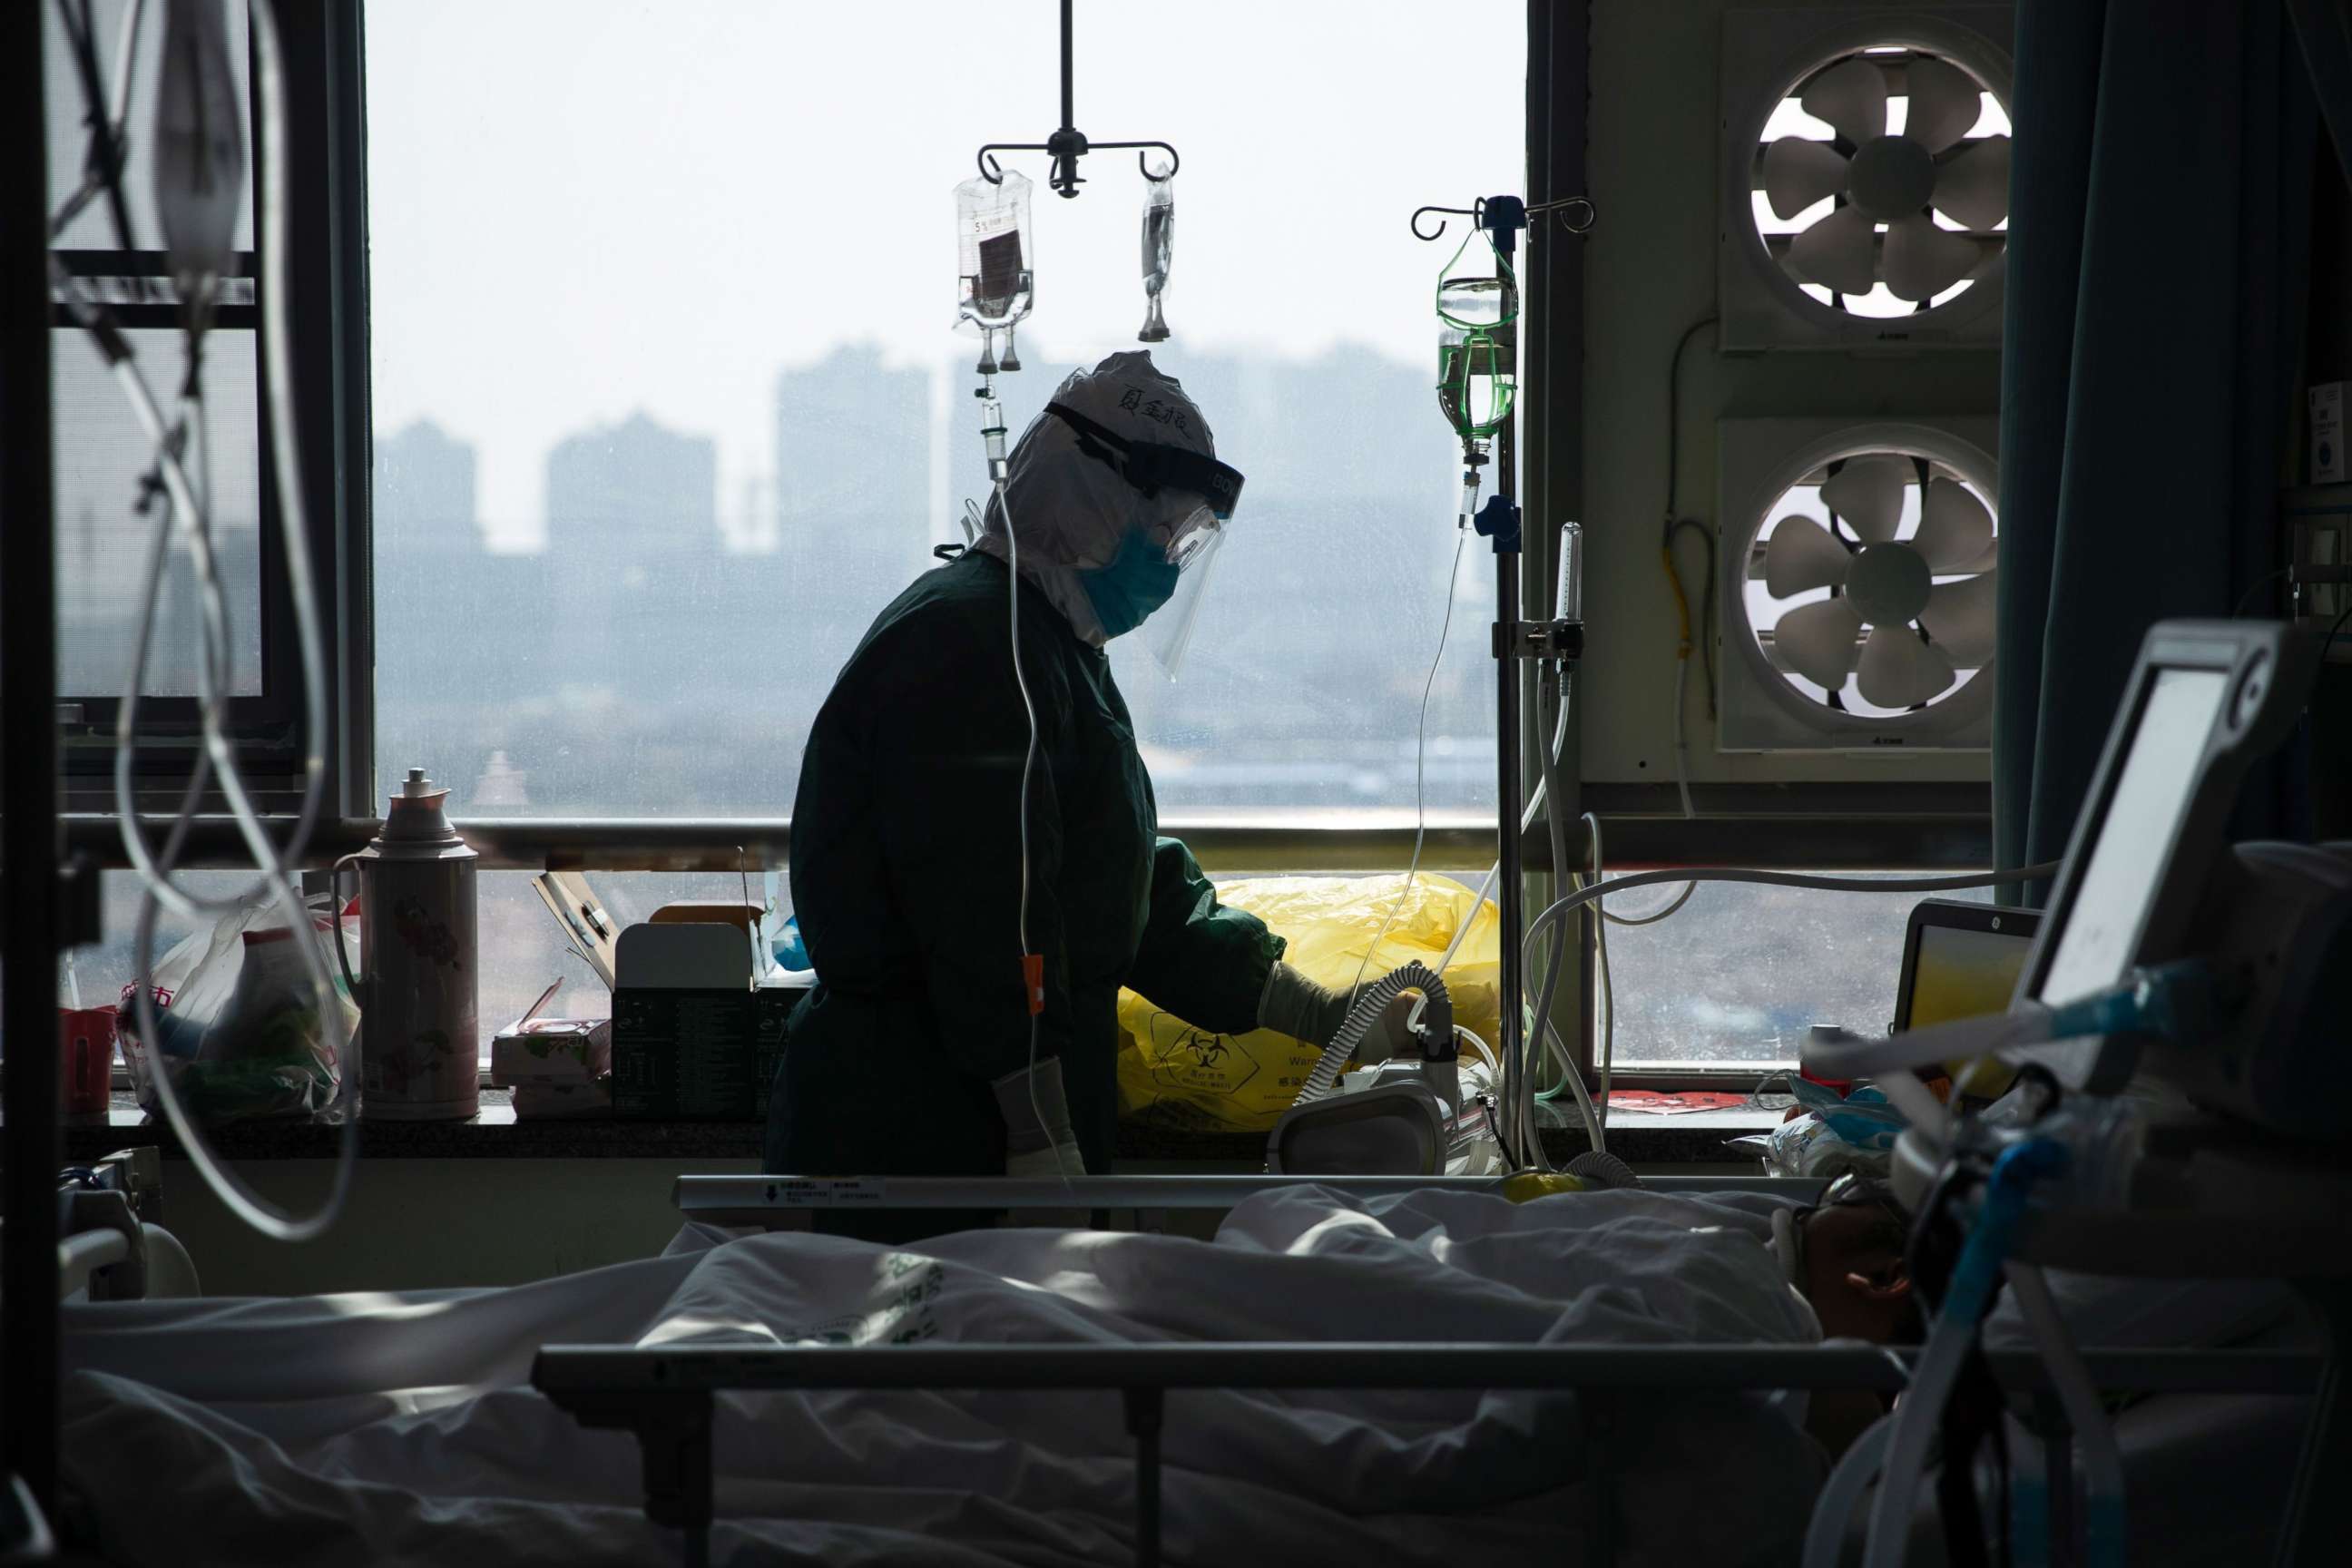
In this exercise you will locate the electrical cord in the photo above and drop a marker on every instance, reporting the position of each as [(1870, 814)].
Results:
[(1673, 408)]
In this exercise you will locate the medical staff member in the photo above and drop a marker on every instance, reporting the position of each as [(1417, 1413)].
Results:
[(910, 872)]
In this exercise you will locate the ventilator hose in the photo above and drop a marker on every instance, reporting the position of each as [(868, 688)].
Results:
[(1371, 1003)]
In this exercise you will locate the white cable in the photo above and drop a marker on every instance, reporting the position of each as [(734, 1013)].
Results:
[(1916, 1421), (1596, 1131), (1833, 1510), (186, 515), (1028, 763), (2103, 1463), (1682, 787), (1591, 893), (1420, 766), (1608, 989), (1485, 1051)]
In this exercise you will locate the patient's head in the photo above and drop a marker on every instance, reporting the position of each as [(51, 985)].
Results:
[(1851, 1267)]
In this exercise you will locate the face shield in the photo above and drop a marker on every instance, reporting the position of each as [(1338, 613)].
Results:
[(1192, 549), (1160, 574)]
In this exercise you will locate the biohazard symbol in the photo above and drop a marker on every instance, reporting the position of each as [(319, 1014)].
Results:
[(1185, 1056)]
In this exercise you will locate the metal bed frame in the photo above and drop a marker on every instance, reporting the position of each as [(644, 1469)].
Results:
[(664, 1397)]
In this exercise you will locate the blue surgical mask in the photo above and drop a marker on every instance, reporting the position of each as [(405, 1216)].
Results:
[(1135, 582)]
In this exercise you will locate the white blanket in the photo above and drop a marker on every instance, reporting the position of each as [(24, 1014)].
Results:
[(400, 1429)]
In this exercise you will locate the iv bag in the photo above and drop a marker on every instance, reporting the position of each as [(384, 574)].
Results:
[(1159, 249), (994, 283)]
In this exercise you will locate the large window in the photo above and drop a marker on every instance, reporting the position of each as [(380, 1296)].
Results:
[(105, 525), (668, 403), (1736, 978)]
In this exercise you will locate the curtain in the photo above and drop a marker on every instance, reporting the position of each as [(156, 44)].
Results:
[(2157, 261)]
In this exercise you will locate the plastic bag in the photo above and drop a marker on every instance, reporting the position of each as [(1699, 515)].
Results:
[(238, 1023), (1834, 1135), (1173, 1075)]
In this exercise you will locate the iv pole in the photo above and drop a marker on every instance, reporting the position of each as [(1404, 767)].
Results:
[(1515, 641)]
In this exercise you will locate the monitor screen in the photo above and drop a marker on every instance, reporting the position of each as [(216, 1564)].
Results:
[(2129, 858), (1960, 974)]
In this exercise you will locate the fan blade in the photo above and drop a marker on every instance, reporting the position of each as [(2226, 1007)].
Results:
[(1798, 172), (1868, 494), (1800, 555), (1923, 260), (1853, 97), (1954, 527), (1972, 185), (1944, 103), (1959, 616), (1898, 670), (1838, 252), (1817, 641)]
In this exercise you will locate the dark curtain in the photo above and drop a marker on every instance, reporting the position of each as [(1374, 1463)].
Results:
[(2158, 251)]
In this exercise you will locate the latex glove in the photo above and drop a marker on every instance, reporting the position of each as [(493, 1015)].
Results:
[(1038, 1138), (1312, 1012)]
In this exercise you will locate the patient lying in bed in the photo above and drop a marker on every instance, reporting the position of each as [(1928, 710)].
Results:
[(399, 1428)]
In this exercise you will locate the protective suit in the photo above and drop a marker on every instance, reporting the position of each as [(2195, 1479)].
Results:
[(907, 864)]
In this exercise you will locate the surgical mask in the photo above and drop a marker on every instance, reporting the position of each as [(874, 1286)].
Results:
[(1134, 583)]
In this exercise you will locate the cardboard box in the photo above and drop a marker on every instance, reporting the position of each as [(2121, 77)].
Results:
[(2327, 466)]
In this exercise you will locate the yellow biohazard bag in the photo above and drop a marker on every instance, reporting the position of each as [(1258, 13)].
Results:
[(1173, 1075)]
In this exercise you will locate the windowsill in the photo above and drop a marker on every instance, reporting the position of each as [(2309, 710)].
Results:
[(496, 1133)]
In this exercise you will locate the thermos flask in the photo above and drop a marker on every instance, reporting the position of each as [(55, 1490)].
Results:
[(416, 986)]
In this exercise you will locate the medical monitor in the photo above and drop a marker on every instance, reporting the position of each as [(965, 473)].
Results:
[(2205, 700), (1960, 961)]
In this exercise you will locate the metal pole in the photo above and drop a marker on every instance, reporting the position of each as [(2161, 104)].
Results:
[(1510, 884), (1069, 93), (1144, 1408), (29, 758)]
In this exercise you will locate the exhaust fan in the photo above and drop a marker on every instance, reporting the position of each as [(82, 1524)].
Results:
[(1857, 608), (1867, 189)]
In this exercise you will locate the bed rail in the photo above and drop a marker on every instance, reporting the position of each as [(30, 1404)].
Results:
[(665, 1395), (777, 1200)]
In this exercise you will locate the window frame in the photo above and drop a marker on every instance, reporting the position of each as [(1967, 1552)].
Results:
[(327, 315), (1942, 827)]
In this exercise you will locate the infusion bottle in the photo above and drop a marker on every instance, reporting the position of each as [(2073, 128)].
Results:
[(994, 282)]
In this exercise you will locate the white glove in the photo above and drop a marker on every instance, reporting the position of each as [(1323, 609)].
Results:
[(1038, 1138), (1312, 1014)]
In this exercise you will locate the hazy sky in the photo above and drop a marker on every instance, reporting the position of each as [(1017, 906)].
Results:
[(582, 207)]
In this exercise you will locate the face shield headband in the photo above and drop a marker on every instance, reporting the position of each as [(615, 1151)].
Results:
[(1152, 467)]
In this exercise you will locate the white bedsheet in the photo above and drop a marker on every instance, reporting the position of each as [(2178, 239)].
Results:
[(400, 1429)]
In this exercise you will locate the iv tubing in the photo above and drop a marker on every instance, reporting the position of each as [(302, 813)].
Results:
[(1833, 1510), (186, 512), (1420, 763), (1028, 762), (2103, 1463)]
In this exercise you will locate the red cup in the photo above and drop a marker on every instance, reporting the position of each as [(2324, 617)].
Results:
[(86, 1036)]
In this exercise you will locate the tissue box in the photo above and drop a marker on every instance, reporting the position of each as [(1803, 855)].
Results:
[(552, 1051)]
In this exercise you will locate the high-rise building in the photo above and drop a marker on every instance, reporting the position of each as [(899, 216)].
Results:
[(425, 492), (853, 439), (626, 494)]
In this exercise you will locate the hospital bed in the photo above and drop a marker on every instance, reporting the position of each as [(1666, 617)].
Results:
[(667, 1396)]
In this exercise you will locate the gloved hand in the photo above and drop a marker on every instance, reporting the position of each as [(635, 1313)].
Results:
[(1312, 1012), (1038, 1138)]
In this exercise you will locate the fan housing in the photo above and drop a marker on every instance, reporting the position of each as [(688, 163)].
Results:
[(1860, 565), (1866, 178)]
